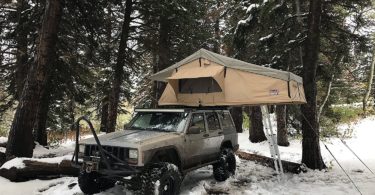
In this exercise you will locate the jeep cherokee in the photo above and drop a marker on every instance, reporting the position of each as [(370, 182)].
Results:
[(157, 148)]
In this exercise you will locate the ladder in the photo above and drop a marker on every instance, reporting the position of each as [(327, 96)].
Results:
[(272, 142)]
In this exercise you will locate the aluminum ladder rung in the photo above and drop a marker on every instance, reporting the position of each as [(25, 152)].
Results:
[(271, 139)]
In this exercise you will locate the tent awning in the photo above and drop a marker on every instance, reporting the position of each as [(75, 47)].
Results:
[(197, 72), (207, 56)]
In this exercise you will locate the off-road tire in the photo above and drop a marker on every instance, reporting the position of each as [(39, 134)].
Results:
[(161, 178), (92, 183), (226, 165)]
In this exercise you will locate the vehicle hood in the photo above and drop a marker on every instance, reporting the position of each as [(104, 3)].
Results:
[(127, 138)]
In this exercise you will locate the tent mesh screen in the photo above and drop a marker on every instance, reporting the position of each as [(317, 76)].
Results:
[(199, 85)]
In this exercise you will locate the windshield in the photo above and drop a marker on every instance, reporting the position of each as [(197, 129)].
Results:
[(159, 121)]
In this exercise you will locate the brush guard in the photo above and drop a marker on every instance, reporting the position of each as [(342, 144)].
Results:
[(106, 157)]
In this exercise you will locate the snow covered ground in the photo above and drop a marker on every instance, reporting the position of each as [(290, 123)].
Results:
[(250, 178)]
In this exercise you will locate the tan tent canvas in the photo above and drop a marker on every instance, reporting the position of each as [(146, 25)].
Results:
[(209, 79)]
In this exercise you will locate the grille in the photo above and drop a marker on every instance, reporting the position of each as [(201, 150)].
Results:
[(119, 152)]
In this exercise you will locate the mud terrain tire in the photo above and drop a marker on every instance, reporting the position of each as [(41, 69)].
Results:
[(91, 183), (161, 178), (226, 166)]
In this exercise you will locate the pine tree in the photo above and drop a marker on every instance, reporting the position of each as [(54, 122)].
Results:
[(119, 74), (171, 30), (20, 142), (311, 155)]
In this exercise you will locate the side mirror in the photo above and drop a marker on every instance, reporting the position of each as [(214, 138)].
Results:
[(194, 130)]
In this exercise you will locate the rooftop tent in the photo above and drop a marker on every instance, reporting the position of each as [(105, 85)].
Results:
[(209, 79)]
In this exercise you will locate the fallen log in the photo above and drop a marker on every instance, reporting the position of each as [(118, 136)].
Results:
[(39, 170), (288, 166), (3, 144), (215, 190), (2, 158)]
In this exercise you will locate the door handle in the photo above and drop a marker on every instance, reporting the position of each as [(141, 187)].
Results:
[(220, 133), (205, 135)]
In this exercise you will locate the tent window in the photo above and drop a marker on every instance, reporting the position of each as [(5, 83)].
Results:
[(199, 85)]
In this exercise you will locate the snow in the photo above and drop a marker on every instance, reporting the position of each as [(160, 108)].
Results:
[(352, 105), (245, 22), (17, 163), (63, 149), (157, 185), (251, 7), (291, 41), (266, 37), (3, 139), (252, 178)]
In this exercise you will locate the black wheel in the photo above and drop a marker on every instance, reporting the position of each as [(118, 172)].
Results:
[(226, 166), (92, 183), (161, 178)]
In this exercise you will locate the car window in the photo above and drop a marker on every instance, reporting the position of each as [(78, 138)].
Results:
[(226, 121), (212, 121), (159, 121), (198, 120)]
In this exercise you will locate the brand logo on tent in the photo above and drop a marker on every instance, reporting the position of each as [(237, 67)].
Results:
[(274, 92)]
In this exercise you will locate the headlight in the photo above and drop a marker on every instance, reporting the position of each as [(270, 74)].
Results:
[(81, 149), (133, 153)]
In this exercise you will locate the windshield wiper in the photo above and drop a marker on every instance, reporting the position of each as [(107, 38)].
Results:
[(157, 129), (137, 128)]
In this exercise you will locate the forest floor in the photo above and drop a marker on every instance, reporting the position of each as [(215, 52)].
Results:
[(250, 178)]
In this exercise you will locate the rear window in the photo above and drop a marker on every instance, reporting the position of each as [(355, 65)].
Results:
[(212, 121), (226, 121)]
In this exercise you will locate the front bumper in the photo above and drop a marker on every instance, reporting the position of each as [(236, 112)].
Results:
[(95, 164)]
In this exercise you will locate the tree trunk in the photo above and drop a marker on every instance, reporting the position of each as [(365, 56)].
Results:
[(217, 30), (2, 159), (334, 65), (155, 93), (20, 142), (311, 155), (107, 60), (22, 67), (114, 97), (369, 83), (282, 131), (163, 55), (236, 113), (256, 129), (104, 116), (72, 105), (328, 93), (40, 133)]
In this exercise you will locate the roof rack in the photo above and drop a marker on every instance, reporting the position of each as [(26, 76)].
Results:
[(180, 108)]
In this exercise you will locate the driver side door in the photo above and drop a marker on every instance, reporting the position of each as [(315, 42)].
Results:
[(195, 141)]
